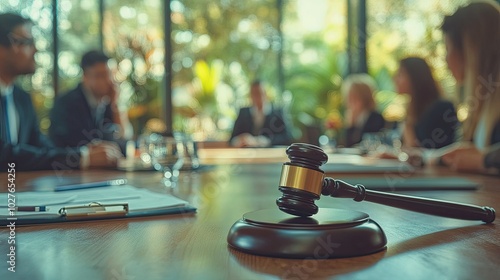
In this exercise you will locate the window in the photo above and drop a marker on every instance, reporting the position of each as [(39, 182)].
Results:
[(77, 34), (134, 39), (401, 28), (219, 48), (315, 62)]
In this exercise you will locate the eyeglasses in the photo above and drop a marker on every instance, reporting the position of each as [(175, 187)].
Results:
[(20, 41)]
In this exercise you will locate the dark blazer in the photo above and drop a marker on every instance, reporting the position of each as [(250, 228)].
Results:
[(274, 126), (72, 123), (492, 157), (437, 125), (495, 134), (374, 123), (33, 150)]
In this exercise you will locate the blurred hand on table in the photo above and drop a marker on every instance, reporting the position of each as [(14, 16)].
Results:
[(464, 157), (103, 154), (248, 140)]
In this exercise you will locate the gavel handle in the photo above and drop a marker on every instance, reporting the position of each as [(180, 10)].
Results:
[(337, 188)]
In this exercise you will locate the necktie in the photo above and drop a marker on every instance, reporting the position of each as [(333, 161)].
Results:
[(5, 120)]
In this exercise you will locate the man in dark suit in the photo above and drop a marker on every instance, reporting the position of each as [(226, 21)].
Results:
[(260, 125), (21, 142), (90, 112)]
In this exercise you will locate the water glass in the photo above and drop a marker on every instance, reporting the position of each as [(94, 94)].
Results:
[(371, 142), (191, 161), (167, 156)]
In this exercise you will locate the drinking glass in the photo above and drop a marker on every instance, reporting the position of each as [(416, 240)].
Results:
[(370, 142), (167, 156), (191, 161)]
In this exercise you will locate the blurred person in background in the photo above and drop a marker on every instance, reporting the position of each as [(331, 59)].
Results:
[(431, 121), (261, 125), (90, 111), (472, 38), (360, 116)]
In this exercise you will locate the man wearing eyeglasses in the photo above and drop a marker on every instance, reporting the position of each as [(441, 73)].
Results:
[(21, 141)]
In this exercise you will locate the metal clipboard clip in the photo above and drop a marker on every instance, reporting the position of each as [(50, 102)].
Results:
[(94, 210)]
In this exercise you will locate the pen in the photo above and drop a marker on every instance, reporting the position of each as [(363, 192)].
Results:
[(32, 208), (116, 182)]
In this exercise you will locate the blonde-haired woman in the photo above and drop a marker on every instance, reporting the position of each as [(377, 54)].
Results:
[(361, 116), (472, 38)]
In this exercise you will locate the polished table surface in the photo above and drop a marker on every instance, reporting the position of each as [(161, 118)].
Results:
[(194, 246)]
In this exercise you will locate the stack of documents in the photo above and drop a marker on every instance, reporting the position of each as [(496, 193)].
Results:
[(88, 204)]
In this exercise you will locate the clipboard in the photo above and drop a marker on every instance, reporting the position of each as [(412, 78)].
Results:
[(112, 202), (94, 210)]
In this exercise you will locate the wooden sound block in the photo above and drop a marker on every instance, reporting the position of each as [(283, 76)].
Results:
[(332, 233)]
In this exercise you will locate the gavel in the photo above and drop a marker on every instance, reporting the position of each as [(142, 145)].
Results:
[(302, 182)]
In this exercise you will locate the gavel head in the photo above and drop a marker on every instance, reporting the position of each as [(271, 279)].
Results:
[(301, 180)]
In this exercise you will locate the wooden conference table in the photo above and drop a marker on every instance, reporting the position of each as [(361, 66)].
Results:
[(193, 246)]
